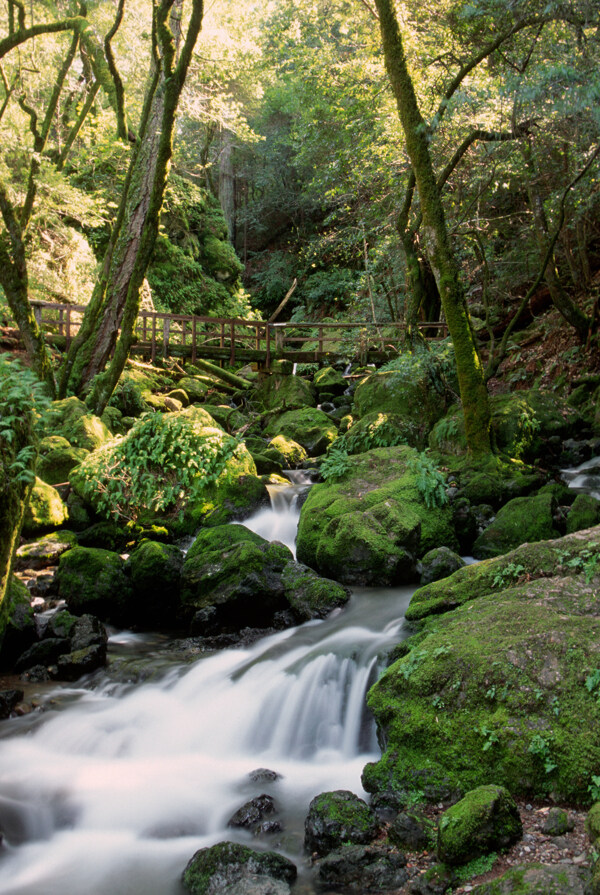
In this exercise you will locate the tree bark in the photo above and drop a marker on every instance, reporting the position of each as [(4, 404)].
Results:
[(473, 391)]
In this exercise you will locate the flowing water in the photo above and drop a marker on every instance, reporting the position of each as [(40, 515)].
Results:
[(584, 478), (113, 787)]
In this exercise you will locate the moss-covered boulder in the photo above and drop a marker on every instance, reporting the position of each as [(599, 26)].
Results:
[(55, 465), (309, 595), (379, 429), (371, 525), (155, 572), (233, 498), (411, 394), (20, 631), (538, 879), (309, 426), (439, 563), (524, 519), (286, 452), (72, 419), (284, 391), (523, 422), (502, 688), (584, 513), (592, 823), (486, 820), (45, 511), (228, 866), (45, 551), (232, 578), (361, 869), (573, 554), (338, 818), (194, 387), (329, 380), (229, 418), (94, 581)]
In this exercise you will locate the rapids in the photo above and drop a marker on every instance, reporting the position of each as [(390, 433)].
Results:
[(112, 787)]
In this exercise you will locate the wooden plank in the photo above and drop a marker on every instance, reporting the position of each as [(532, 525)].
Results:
[(193, 340), (232, 337), (166, 334), (153, 352)]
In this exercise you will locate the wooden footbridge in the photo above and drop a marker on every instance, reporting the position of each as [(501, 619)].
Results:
[(234, 340)]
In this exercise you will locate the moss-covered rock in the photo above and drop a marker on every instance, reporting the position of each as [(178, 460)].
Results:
[(229, 418), (522, 424), (573, 553), (55, 465), (380, 429), (72, 419), (226, 865), (327, 379), (584, 513), (284, 391), (94, 581), (361, 869), (309, 595), (45, 551), (155, 572), (286, 452), (412, 395), (592, 823), (439, 563), (486, 820), (537, 879), (20, 631), (309, 426), (370, 527), (45, 511), (496, 690), (338, 818), (557, 822), (524, 519), (230, 500), (231, 579), (113, 420), (194, 387)]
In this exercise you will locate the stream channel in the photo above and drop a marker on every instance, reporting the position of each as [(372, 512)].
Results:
[(112, 787)]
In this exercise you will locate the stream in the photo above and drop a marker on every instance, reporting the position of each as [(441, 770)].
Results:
[(112, 787)]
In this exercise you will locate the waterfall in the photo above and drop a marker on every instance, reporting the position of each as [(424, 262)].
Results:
[(111, 788)]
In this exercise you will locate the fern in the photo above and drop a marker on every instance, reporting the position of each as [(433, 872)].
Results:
[(430, 481)]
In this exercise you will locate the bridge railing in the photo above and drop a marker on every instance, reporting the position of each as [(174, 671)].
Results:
[(178, 335)]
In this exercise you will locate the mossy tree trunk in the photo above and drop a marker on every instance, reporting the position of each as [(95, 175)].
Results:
[(471, 380), (110, 318)]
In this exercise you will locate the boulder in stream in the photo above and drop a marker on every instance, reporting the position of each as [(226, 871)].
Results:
[(335, 819), (235, 869), (361, 869)]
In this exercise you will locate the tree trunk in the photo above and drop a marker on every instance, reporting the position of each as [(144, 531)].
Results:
[(227, 182), (471, 380), (116, 299)]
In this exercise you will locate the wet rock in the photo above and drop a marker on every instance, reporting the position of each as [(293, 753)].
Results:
[(524, 519), (45, 510), (361, 869), (36, 675), (93, 581), (20, 632), (435, 881), (387, 805), (72, 666), (46, 551), (250, 815), (45, 652), (263, 775), (485, 820), (155, 571), (310, 595), (439, 563), (557, 822), (411, 831), (8, 700), (536, 879), (235, 869), (337, 818)]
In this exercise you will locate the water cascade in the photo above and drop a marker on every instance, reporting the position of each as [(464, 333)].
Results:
[(113, 787)]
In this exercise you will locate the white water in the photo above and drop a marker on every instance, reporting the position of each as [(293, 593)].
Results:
[(584, 478), (112, 791)]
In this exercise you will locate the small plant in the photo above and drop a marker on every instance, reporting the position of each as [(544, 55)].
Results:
[(413, 660), (437, 702), (594, 787), (540, 747), (555, 706), (509, 574), (592, 684), (22, 398), (585, 561), (490, 737), (476, 867), (431, 483), (336, 464), (491, 693)]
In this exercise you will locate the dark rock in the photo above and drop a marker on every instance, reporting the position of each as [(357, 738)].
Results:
[(357, 868), (435, 881), (310, 595), (83, 661), (36, 675), (250, 815), (411, 831), (94, 581), (557, 822), (537, 879), (155, 571), (335, 818), (584, 513), (232, 868), (8, 700), (387, 805), (465, 525), (20, 632), (574, 452), (263, 775), (45, 652), (439, 563), (87, 631), (524, 519), (486, 819)]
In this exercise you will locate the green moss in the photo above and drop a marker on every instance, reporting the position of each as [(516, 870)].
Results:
[(284, 391), (592, 823), (287, 452), (524, 519), (536, 879), (584, 513), (486, 819), (211, 869), (55, 465), (309, 595), (93, 580), (309, 426), (370, 527), (45, 511), (496, 692), (329, 380)]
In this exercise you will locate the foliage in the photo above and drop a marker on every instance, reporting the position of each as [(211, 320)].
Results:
[(594, 787), (379, 433), (336, 463), (22, 397), (508, 575), (163, 460), (592, 683), (540, 746), (476, 867), (430, 481)]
